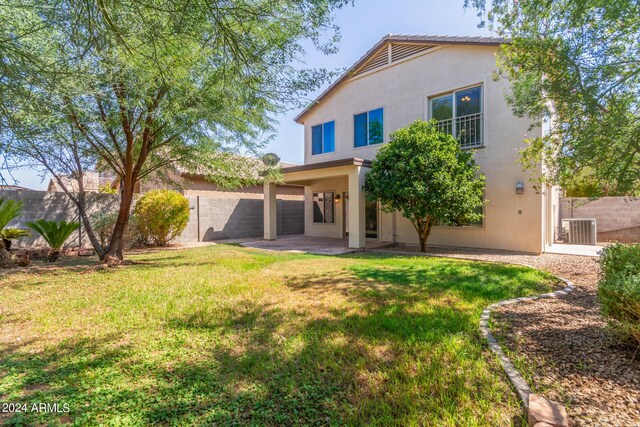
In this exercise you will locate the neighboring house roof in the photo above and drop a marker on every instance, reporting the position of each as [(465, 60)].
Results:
[(406, 45), (92, 181), (14, 187), (247, 168), (243, 167)]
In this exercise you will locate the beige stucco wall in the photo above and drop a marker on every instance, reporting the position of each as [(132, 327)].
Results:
[(512, 222)]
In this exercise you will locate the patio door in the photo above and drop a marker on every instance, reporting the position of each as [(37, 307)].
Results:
[(371, 219), (345, 210)]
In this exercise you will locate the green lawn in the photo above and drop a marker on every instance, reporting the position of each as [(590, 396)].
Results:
[(226, 335)]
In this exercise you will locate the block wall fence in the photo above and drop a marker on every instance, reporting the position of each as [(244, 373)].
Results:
[(212, 218), (617, 218)]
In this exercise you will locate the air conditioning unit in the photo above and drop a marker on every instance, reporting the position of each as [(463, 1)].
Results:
[(580, 231)]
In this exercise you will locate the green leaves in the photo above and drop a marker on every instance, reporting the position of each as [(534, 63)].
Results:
[(55, 233), (425, 175), (9, 209), (577, 66), (162, 215)]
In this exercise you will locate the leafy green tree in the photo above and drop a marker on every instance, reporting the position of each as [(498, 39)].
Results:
[(162, 215), (575, 64), (425, 175), (143, 88), (54, 233)]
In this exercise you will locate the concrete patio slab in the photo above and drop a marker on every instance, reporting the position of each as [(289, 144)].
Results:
[(582, 250), (312, 245)]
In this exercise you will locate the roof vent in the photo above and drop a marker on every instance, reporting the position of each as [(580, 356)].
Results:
[(378, 60), (402, 50)]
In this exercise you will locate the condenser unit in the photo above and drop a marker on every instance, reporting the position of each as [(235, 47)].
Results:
[(580, 231)]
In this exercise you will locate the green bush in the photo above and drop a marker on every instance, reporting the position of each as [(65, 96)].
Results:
[(619, 288), (55, 233), (161, 216), (102, 224)]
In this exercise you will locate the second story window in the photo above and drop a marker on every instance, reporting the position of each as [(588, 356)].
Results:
[(368, 128), (459, 113), (323, 138)]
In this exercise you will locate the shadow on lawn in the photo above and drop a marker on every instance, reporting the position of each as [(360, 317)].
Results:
[(403, 348)]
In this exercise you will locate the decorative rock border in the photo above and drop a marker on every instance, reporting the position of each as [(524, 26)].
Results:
[(521, 386)]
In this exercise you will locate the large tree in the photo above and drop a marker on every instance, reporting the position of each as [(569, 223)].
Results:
[(575, 65), (143, 86), (424, 174)]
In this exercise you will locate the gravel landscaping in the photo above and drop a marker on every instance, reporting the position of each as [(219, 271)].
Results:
[(563, 346)]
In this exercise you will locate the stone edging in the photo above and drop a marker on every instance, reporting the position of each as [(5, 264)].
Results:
[(521, 386)]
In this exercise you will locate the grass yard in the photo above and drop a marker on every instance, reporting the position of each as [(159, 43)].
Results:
[(226, 335)]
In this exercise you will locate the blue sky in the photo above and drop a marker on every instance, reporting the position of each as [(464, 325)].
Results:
[(361, 26)]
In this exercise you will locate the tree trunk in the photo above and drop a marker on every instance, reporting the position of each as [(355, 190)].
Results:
[(114, 255), (423, 227), (7, 244), (5, 257), (53, 255), (88, 229)]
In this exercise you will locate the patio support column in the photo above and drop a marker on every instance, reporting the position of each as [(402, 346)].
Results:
[(270, 211), (357, 233)]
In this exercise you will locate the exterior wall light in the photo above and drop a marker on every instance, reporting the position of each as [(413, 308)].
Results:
[(519, 187), (337, 198)]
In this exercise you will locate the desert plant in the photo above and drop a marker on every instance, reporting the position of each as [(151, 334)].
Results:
[(161, 216), (9, 209), (55, 233), (619, 288), (10, 233)]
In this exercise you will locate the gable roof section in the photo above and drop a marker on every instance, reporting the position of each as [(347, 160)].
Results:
[(402, 46)]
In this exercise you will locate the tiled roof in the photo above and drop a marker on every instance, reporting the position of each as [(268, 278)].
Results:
[(403, 38)]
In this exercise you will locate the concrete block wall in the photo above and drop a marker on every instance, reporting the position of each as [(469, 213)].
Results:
[(617, 218), (56, 207), (219, 218), (214, 218)]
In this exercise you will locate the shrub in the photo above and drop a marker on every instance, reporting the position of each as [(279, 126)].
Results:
[(55, 233), (619, 288), (102, 224), (161, 216), (9, 210)]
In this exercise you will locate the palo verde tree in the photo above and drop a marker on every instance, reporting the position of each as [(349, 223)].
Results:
[(425, 175), (576, 65), (142, 88)]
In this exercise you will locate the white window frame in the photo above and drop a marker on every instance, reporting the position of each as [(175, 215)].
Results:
[(454, 118)]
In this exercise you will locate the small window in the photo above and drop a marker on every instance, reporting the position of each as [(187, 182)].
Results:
[(323, 138), (368, 128), (323, 208), (459, 113), (478, 223)]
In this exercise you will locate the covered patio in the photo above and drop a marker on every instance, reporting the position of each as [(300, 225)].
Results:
[(335, 205), (311, 245)]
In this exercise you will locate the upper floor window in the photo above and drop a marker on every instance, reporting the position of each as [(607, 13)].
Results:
[(323, 138), (368, 128), (459, 113)]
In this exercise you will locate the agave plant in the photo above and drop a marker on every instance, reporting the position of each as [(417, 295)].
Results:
[(10, 209), (55, 233)]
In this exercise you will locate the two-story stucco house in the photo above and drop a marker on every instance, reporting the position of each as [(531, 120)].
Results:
[(401, 79)]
